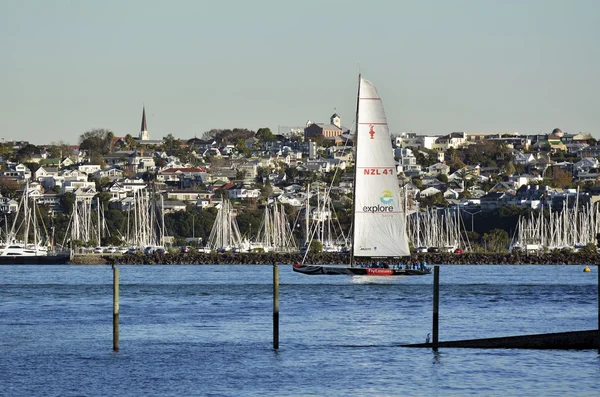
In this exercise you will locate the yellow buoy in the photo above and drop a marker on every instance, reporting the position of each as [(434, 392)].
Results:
[(587, 269)]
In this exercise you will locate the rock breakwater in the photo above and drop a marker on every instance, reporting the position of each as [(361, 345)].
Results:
[(193, 258)]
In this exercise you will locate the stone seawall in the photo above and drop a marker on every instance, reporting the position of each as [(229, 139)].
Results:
[(558, 258)]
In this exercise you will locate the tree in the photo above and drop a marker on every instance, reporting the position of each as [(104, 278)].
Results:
[(67, 201), (229, 136), (265, 135), (496, 240), (220, 192), (25, 153), (97, 141), (426, 157), (241, 147), (104, 198), (315, 247), (8, 187), (159, 162), (131, 143), (240, 175), (435, 200), (59, 149), (267, 190), (333, 176), (33, 167), (291, 173), (171, 144), (562, 178)]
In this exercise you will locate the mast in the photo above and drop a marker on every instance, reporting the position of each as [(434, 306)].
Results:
[(98, 219), (307, 218), (26, 212), (35, 241), (355, 173)]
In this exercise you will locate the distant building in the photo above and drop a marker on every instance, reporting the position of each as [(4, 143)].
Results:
[(144, 136), (327, 130)]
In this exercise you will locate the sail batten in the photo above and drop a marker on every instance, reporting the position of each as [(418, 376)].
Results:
[(379, 229)]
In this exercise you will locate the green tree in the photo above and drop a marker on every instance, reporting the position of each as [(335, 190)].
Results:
[(265, 135), (59, 149), (25, 153), (67, 201), (426, 157), (333, 176), (291, 173), (97, 142), (131, 143), (315, 247), (266, 190), (435, 200), (171, 144), (240, 175), (496, 240), (241, 147)]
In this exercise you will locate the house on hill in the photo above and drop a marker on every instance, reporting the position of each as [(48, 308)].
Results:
[(17, 173), (430, 191), (244, 193), (493, 200), (183, 177)]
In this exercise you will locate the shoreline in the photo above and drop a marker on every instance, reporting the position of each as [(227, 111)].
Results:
[(556, 258)]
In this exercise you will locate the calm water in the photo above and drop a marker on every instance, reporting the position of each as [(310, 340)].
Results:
[(207, 331)]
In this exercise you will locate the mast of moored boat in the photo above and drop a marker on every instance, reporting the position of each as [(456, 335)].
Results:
[(355, 173)]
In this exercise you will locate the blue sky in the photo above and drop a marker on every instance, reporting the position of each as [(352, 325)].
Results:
[(440, 66)]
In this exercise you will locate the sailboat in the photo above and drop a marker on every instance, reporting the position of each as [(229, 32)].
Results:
[(379, 232), (14, 251)]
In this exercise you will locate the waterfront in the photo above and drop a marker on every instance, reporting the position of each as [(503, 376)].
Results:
[(207, 330)]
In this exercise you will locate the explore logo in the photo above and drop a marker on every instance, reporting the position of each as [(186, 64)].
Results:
[(386, 197)]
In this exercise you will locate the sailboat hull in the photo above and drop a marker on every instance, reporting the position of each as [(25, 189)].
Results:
[(356, 271)]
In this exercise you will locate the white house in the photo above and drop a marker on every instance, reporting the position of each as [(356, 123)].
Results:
[(89, 168), (244, 193), (72, 185), (430, 191)]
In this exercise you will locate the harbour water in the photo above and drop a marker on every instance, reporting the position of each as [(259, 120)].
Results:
[(207, 331)]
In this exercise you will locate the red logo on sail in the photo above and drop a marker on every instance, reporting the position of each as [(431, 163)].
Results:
[(371, 131)]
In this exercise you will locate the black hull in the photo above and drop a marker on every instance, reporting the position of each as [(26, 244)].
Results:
[(61, 259), (356, 271)]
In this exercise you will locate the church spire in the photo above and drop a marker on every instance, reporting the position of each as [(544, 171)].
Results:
[(144, 129)]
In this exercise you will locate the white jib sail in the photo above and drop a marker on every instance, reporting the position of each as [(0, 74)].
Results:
[(379, 228)]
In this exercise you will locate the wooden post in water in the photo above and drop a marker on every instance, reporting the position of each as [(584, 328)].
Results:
[(436, 305), (275, 307), (598, 270), (115, 308)]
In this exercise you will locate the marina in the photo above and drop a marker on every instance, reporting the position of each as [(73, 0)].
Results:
[(207, 330)]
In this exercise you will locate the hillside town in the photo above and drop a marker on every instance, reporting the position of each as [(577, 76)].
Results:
[(490, 191)]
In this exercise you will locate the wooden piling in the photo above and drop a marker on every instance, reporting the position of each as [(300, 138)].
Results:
[(275, 307), (436, 305), (598, 336), (115, 309)]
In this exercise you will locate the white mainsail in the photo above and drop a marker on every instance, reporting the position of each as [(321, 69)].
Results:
[(379, 219)]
